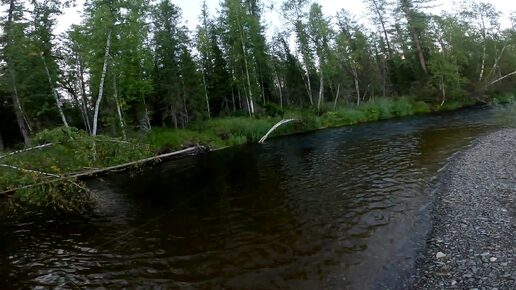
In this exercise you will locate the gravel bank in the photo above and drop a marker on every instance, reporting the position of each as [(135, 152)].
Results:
[(473, 241)]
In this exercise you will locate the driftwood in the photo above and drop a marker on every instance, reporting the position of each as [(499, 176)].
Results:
[(106, 170), (274, 128), (26, 150)]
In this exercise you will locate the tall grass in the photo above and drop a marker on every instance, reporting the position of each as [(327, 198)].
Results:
[(239, 130)]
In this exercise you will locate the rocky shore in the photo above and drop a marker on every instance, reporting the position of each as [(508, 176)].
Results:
[(473, 241)]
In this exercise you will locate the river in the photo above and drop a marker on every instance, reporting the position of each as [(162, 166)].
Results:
[(345, 208)]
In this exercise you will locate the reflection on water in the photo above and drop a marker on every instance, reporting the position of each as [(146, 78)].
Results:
[(339, 208)]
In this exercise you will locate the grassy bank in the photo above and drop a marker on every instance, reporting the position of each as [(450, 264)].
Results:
[(217, 133)]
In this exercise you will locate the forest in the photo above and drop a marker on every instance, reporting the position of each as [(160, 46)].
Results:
[(134, 66)]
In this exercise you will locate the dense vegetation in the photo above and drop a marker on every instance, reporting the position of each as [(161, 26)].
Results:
[(134, 66)]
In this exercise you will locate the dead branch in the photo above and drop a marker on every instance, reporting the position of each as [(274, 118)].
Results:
[(29, 170), (274, 128), (26, 150)]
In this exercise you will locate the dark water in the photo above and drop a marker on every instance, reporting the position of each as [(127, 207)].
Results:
[(340, 208)]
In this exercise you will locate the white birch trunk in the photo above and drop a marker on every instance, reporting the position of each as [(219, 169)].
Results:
[(101, 85), (206, 95), (337, 96), (321, 87), (54, 91), (357, 86)]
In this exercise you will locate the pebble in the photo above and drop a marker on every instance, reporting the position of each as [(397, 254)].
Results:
[(474, 219), (440, 255)]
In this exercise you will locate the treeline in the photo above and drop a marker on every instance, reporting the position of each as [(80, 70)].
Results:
[(135, 65)]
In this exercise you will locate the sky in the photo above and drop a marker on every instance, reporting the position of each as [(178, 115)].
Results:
[(191, 10)]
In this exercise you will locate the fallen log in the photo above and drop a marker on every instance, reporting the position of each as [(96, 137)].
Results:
[(106, 170), (138, 162)]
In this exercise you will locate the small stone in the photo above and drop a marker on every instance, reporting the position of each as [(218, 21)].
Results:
[(493, 259), (440, 255), (453, 282)]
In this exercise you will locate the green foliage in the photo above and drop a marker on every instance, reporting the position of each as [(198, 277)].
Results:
[(72, 151), (67, 195)]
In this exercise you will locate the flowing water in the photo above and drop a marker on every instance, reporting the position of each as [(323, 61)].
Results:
[(345, 208)]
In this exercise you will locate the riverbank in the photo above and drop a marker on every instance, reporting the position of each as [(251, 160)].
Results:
[(473, 241), (231, 131)]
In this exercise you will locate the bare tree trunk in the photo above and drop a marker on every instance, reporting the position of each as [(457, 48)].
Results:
[(420, 53), (309, 86), (384, 77), (233, 98), (21, 119), (174, 119), (443, 91), (415, 38), (321, 88), (280, 90), (146, 117), (497, 60), (337, 96), (382, 22), (101, 86), (185, 108), (20, 116), (83, 94), (357, 85), (206, 95), (251, 101), (54, 91), (482, 67), (119, 109), (73, 93)]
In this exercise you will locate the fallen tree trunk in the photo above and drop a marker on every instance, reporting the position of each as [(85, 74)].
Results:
[(274, 128), (106, 170)]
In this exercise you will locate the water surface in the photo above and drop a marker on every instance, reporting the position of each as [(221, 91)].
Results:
[(338, 208)]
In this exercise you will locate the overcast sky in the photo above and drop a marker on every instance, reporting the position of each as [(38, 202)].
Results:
[(191, 10)]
